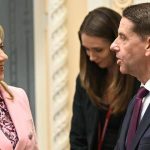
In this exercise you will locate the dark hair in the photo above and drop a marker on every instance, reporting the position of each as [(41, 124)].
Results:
[(139, 14), (103, 22)]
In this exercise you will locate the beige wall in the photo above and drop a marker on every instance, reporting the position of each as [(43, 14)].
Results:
[(77, 9)]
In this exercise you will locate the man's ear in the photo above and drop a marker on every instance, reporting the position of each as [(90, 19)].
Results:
[(147, 48)]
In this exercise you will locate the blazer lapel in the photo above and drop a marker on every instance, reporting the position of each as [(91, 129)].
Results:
[(92, 116), (125, 125), (18, 118), (5, 142), (144, 124)]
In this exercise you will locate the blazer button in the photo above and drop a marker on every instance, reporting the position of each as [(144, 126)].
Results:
[(30, 136)]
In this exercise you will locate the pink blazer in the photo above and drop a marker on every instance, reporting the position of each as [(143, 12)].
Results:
[(20, 113)]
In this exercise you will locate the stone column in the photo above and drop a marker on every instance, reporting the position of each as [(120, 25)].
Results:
[(57, 37)]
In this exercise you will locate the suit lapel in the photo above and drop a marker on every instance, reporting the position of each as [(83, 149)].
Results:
[(94, 126), (92, 114), (144, 124), (17, 116), (125, 125), (5, 142)]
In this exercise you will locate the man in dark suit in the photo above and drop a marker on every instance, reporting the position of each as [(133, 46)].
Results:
[(132, 47)]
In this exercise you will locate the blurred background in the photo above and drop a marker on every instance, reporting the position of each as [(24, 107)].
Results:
[(41, 40)]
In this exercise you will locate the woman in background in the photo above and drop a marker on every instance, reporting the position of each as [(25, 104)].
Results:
[(102, 92), (17, 131)]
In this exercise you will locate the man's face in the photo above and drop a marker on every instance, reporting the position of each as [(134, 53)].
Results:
[(129, 48)]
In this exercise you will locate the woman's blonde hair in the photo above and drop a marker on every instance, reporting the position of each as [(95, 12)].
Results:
[(2, 83), (5, 87), (1, 33)]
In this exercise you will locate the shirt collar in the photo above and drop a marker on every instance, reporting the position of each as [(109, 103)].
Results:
[(146, 85)]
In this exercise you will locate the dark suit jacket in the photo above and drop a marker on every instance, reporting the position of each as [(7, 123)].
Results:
[(142, 137), (84, 121), (84, 125)]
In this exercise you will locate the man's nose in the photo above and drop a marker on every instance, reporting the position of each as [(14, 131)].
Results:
[(114, 46)]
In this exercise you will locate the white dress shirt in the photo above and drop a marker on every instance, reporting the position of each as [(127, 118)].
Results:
[(146, 100)]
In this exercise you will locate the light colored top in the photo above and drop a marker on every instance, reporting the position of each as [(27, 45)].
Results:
[(6, 124), (146, 100), (19, 110)]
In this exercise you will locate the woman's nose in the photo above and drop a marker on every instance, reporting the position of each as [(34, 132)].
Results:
[(92, 55), (3, 56)]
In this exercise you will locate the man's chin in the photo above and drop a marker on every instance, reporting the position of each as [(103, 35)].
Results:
[(123, 70)]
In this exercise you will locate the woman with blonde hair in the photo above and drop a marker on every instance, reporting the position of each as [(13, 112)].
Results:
[(17, 131)]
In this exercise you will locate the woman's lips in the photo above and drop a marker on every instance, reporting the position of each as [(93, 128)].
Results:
[(1, 67)]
